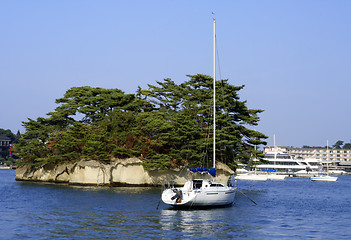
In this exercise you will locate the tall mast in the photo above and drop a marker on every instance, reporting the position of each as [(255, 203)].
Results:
[(275, 150), (327, 157), (214, 93)]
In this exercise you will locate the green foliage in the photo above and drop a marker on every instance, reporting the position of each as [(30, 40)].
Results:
[(34, 143), (166, 125), (7, 133), (8, 162), (341, 145), (338, 144)]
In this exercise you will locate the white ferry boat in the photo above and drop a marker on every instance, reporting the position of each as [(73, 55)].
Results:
[(284, 163)]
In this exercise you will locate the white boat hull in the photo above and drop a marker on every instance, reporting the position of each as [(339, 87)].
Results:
[(275, 177), (251, 177), (324, 178), (304, 173), (337, 172), (201, 197)]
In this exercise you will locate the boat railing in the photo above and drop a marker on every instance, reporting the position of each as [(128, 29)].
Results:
[(167, 184)]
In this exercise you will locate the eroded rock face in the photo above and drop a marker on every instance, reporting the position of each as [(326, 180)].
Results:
[(119, 173)]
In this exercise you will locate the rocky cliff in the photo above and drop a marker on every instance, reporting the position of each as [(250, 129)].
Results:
[(120, 173)]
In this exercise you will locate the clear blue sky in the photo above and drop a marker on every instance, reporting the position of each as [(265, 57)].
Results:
[(293, 56)]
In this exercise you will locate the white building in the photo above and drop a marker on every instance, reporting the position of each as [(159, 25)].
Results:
[(336, 157)]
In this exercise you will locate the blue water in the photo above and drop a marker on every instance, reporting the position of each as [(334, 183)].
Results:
[(296, 208)]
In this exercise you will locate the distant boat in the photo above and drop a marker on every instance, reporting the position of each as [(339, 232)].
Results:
[(305, 173), (325, 178), (251, 177), (202, 192), (254, 176), (243, 174), (262, 176), (284, 164), (322, 177), (272, 173), (337, 172), (4, 167), (275, 177)]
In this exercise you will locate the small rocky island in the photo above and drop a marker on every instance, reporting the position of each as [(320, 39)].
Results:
[(99, 136)]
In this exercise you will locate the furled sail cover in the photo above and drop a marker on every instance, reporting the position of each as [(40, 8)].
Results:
[(211, 171)]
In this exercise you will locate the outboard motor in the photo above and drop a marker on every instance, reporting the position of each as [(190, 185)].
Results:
[(178, 195)]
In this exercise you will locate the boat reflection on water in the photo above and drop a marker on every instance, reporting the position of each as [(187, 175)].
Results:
[(186, 220), (200, 223)]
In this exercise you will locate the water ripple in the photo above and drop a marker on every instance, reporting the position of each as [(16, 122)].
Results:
[(292, 209)]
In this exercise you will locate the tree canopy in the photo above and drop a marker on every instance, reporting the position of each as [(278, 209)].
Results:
[(166, 125), (8, 133), (338, 145), (342, 145)]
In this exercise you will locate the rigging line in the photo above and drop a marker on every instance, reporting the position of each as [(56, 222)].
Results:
[(246, 196), (205, 151), (222, 88), (181, 170), (219, 65), (219, 70)]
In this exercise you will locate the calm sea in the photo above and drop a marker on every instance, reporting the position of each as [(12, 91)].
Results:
[(292, 209)]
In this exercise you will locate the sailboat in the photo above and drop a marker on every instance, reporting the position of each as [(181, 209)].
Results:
[(203, 192), (251, 176), (267, 175), (325, 178)]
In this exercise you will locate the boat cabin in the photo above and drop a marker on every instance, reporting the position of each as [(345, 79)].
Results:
[(198, 183)]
